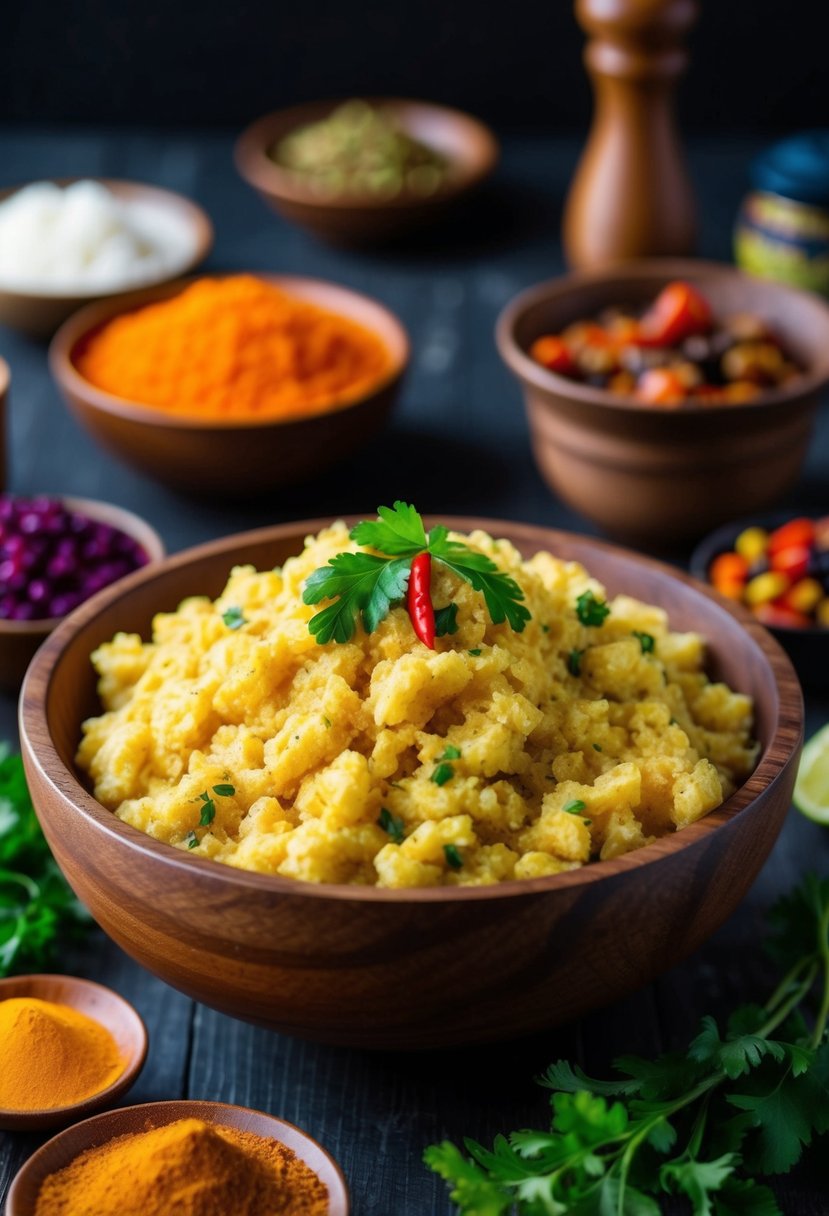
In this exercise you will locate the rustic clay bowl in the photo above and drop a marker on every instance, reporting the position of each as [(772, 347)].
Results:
[(465, 142), (808, 649), (97, 1002), (663, 477), (61, 1150), (39, 313), (233, 457), (406, 968), (20, 639)]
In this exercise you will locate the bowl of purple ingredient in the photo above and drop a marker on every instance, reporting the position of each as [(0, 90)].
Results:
[(56, 553)]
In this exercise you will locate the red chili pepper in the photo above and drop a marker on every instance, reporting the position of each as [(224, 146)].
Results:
[(420, 606)]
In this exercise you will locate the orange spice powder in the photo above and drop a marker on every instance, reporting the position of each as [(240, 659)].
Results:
[(235, 347)]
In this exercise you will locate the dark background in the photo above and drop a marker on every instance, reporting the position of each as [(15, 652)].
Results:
[(758, 65)]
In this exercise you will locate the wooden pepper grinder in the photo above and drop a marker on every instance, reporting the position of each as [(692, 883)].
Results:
[(631, 195)]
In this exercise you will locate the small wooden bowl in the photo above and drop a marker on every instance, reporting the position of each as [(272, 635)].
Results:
[(20, 639), (231, 457), (60, 1151), (426, 967), (808, 649), (39, 313), (104, 1006), (653, 476), (468, 145)]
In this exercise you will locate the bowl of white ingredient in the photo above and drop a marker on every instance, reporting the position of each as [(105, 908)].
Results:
[(69, 242)]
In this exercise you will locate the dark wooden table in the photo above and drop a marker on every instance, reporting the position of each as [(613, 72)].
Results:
[(458, 444)]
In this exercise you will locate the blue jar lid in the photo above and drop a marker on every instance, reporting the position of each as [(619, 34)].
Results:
[(797, 168)]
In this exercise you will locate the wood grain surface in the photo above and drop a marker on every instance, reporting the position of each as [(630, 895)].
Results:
[(458, 443)]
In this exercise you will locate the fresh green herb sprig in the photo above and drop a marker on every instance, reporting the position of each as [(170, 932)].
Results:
[(37, 907), (208, 808), (364, 586), (744, 1099)]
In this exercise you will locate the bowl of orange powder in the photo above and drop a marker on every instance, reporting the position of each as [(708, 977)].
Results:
[(232, 386)]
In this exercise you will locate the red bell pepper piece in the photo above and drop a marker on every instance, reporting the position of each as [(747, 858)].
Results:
[(796, 533), (677, 312), (421, 609), (793, 561), (553, 353)]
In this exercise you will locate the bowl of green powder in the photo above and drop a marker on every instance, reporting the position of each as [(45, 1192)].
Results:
[(364, 171)]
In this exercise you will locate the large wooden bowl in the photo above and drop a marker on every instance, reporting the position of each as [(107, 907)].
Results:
[(406, 968), (465, 143), (39, 313), (231, 457), (656, 476)]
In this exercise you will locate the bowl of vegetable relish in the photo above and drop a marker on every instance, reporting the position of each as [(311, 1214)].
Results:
[(667, 397), (777, 566)]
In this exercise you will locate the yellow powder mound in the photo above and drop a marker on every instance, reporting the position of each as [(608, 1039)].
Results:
[(189, 1168), (52, 1056)]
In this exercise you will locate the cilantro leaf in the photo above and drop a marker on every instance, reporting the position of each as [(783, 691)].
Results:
[(736, 1054), (475, 1193), (590, 610), (745, 1197), (398, 531), (786, 1111), (37, 906), (569, 1079), (502, 594), (359, 584), (646, 640), (698, 1179), (446, 620)]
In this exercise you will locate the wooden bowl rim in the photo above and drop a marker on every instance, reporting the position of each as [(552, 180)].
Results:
[(661, 270), (127, 1018), (81, 323), (49, 1158), (258, 170), (704, 552), (195, 215), (5, 377), (124, 520), (64, 784)]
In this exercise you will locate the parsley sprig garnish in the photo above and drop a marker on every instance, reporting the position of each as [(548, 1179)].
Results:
[(364, 586), (743, 1099)]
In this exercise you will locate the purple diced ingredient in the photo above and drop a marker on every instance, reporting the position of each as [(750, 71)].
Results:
[(52, 559)]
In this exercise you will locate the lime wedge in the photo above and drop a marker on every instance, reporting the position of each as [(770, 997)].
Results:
[(811, 789)]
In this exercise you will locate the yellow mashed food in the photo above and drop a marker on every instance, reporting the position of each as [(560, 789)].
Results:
[(488, 744)]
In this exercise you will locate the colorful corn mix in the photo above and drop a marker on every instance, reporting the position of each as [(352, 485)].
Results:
[(53, 558), (782, 576)]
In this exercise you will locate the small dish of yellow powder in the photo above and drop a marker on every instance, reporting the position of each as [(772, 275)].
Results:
[(64, 1043)]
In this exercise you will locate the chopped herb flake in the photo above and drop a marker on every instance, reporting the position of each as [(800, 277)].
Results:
[(574, 807), (442, 774), (597, 747), (646, 640), (589, 610), (224, 791), (392, 824), (451, 753), (545, 628), (574, 662), (453, 857), (192, 840), (327, 721), (233, 618), (476, 652)]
